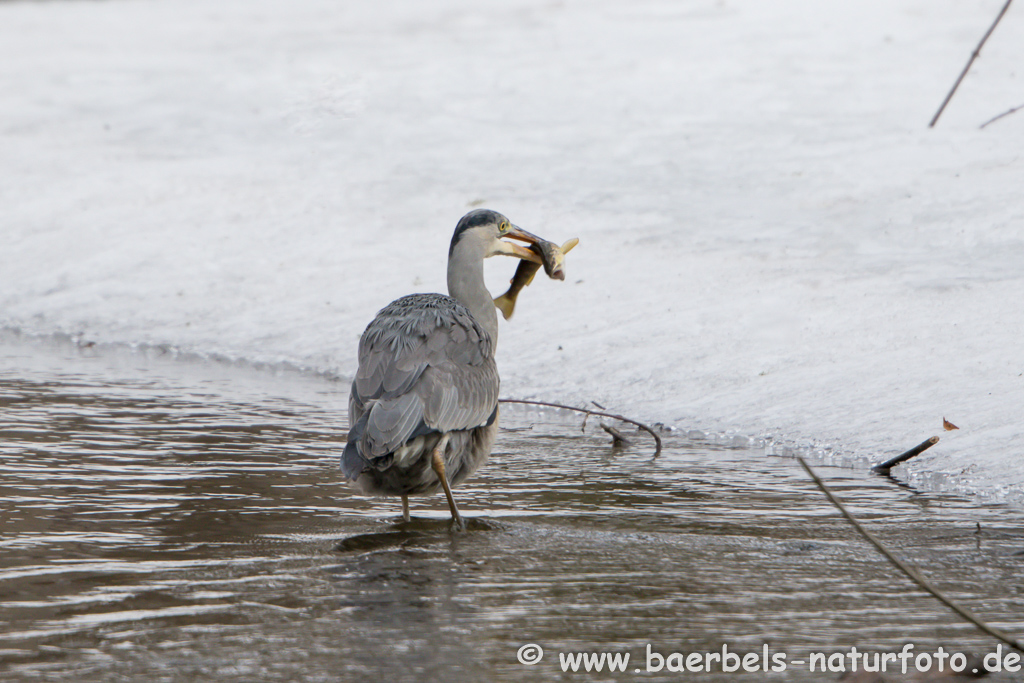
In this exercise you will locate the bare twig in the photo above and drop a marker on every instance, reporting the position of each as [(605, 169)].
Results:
[(618, 440), (884, 467), (909, 571), (641, 425), (1005, 113), (974, 55)]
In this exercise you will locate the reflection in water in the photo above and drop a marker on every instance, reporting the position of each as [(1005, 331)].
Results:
[(180, 522)]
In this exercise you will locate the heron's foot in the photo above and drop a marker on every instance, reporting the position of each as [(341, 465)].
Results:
[(405, 508), (457, 523)]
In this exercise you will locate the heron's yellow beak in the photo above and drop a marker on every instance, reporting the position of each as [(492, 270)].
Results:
[(511, 249)]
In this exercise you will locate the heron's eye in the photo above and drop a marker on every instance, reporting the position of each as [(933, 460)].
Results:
[(503, 227)]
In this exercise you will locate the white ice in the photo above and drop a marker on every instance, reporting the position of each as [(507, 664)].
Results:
[(773, 243)]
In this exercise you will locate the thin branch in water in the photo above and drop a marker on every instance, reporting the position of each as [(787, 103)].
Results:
[(884, 467), (909, 571), (618, 440), (974, 55), (1005, 113), (641, 425)]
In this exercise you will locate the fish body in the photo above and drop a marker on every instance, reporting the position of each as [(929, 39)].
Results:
[(506, 303), (552, 258)]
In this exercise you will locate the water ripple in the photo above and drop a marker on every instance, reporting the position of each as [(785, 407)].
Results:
[(175, 528)]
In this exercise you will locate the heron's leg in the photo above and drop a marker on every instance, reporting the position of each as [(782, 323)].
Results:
[(437, 461), (405, 508)]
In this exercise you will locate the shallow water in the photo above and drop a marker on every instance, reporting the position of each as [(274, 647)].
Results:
[(170, 521)]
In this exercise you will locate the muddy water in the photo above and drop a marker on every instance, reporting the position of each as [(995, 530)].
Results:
[(169, 521)]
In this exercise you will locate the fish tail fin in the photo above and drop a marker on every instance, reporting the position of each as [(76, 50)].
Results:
[(506, 305)]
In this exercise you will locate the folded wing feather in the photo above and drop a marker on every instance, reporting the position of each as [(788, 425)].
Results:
[(424, 365)]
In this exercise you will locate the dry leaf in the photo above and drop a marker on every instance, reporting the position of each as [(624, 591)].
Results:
[(948, 425)]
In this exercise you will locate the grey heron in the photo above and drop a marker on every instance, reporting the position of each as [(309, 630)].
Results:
[(423, 412)]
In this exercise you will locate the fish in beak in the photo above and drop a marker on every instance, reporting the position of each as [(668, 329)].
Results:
[(545, 253), (512, 249)]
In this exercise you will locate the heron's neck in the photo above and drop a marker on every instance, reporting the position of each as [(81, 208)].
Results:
[(466, 285)]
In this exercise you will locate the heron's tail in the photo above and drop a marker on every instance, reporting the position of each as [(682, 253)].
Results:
[(352, 461)]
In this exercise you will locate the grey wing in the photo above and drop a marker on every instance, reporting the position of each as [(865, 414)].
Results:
[(425, 366)]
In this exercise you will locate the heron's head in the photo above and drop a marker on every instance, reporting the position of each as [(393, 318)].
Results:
[(488, 231)]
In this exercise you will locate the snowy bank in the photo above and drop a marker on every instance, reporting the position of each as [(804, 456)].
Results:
[(772, 241)]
